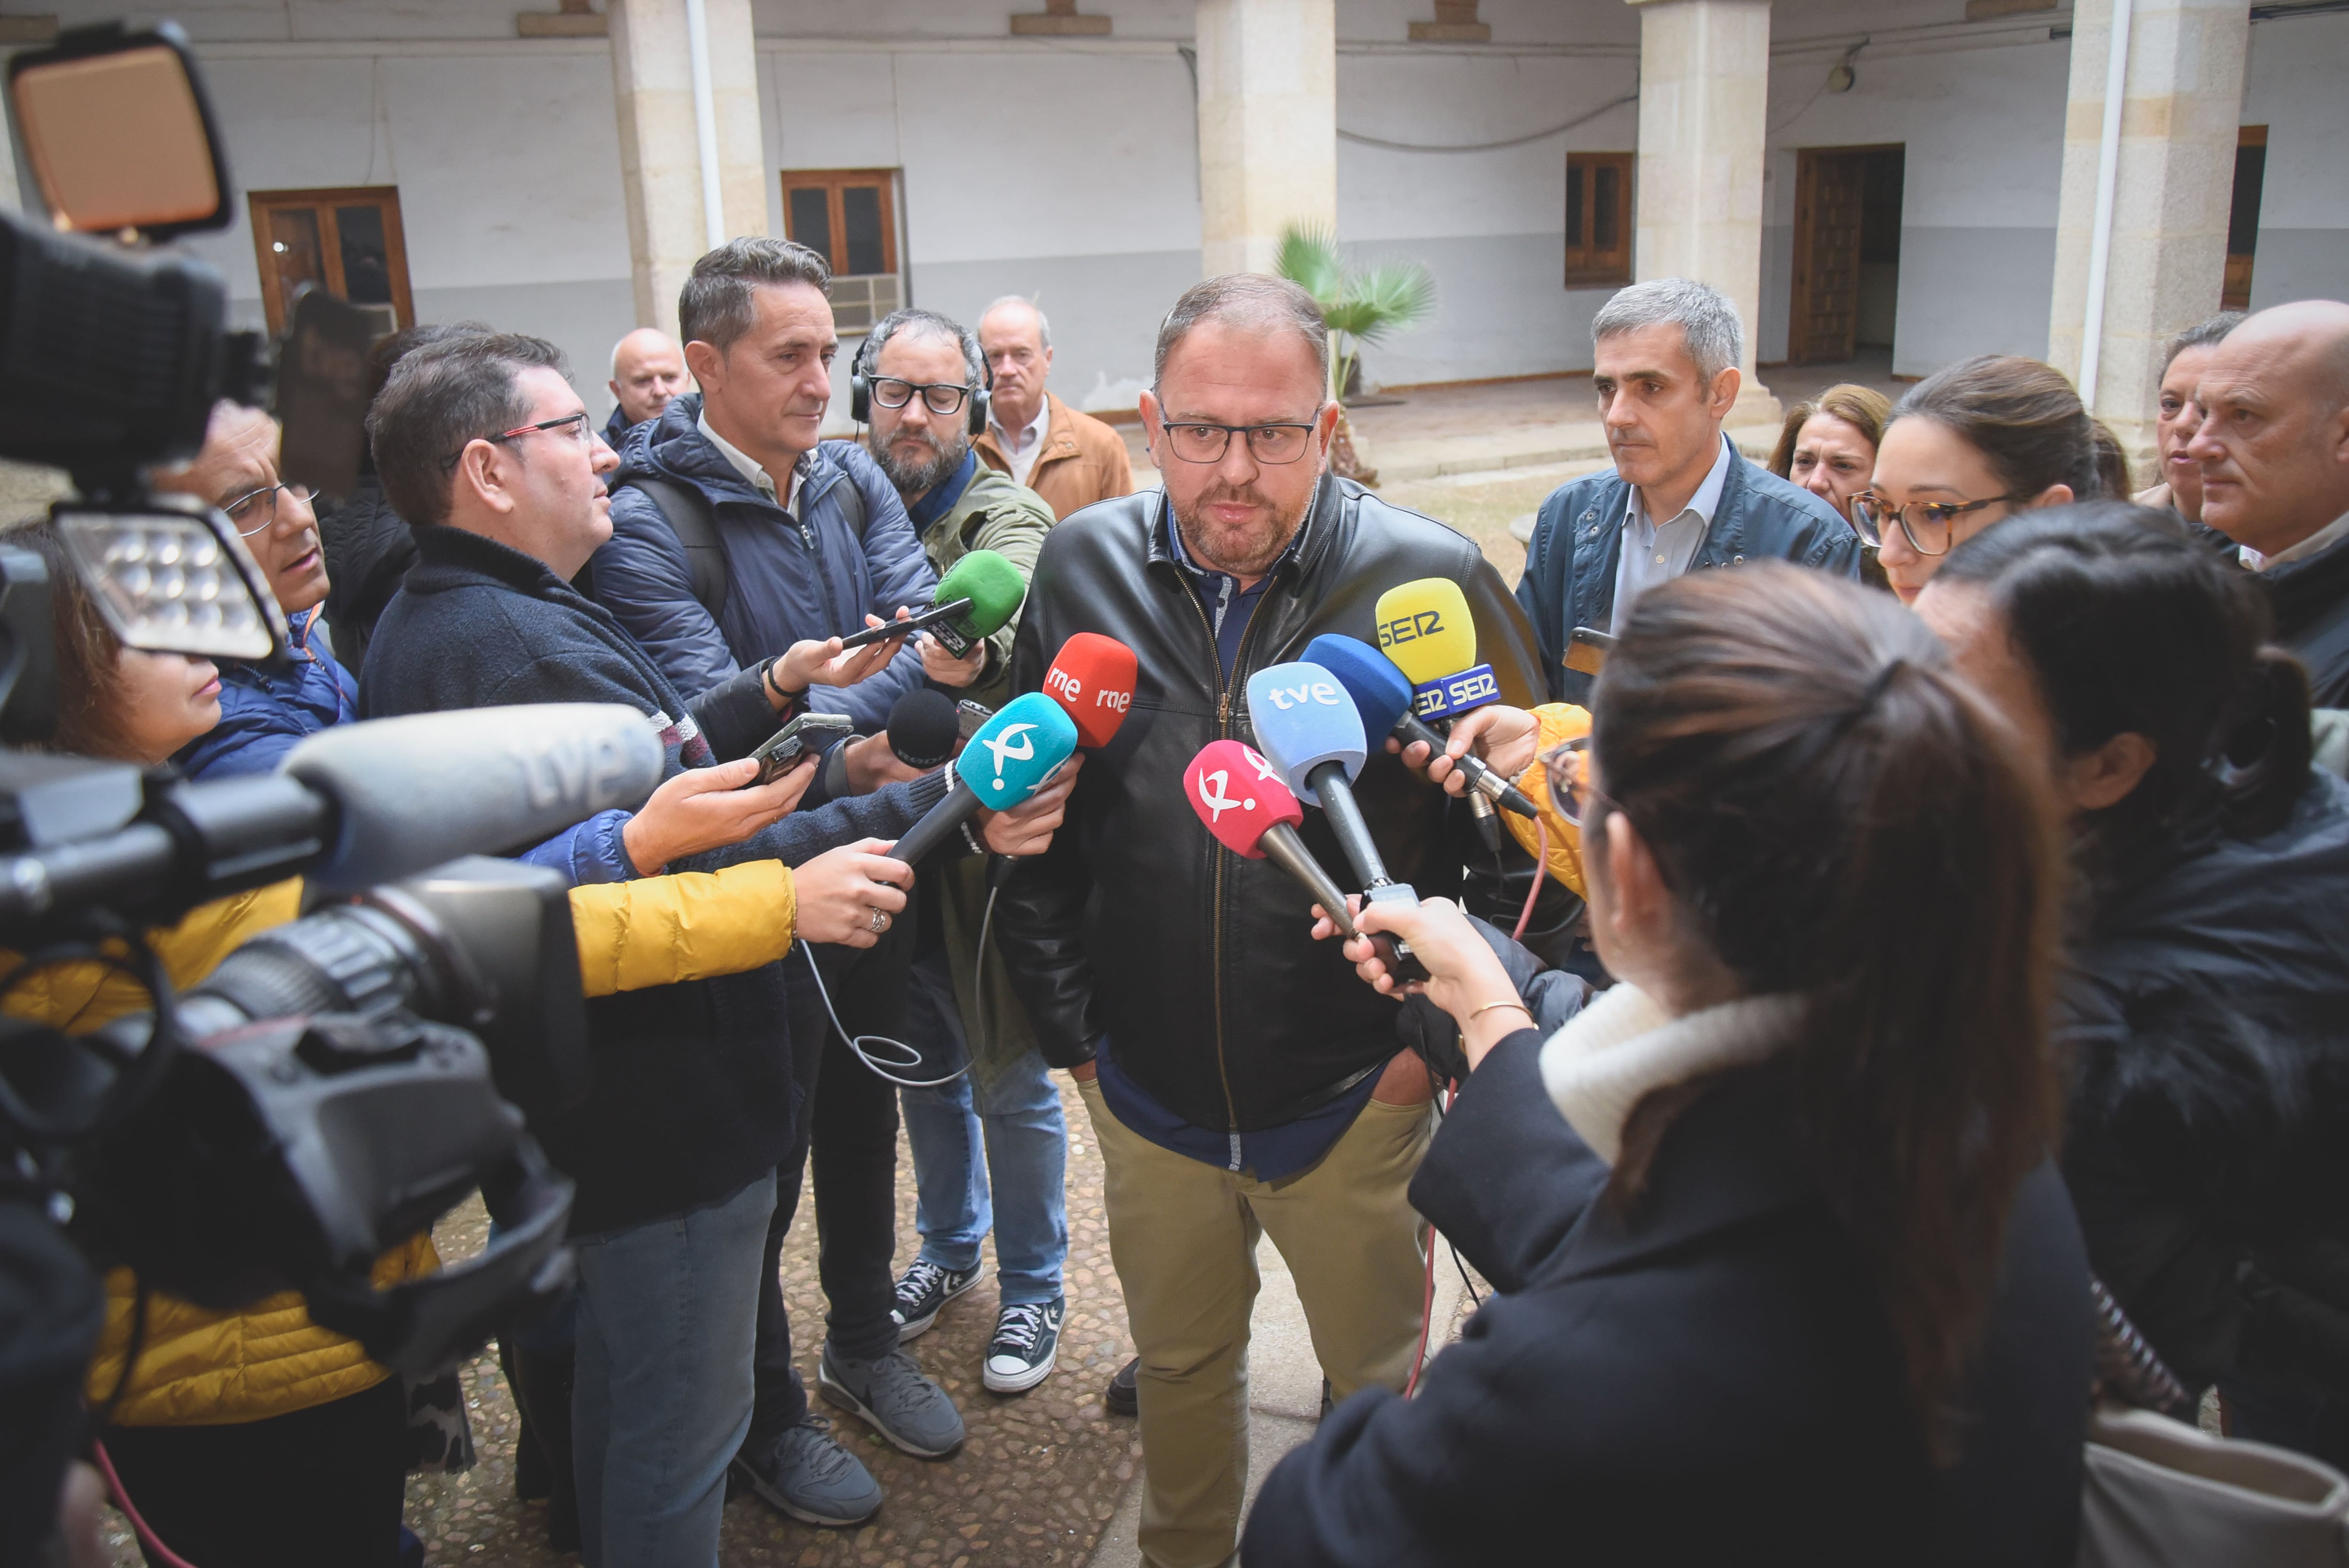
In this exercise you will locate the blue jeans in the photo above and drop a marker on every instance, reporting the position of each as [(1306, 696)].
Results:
[(663, 1396), (1027, 1142)]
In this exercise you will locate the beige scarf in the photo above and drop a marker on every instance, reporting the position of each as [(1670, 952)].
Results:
[(1615, 1050)]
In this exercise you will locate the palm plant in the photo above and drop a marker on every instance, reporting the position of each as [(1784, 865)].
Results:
[(1360, 306)]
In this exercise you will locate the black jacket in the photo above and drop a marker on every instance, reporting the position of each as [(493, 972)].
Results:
[(1711, 1380), (369, 550), (1199, 963), (1578, 543), (2208, 1150), (692, 1094), (2312, 619)]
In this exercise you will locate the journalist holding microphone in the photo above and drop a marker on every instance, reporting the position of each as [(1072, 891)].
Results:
[(1784, 1260), (1246, 1082)]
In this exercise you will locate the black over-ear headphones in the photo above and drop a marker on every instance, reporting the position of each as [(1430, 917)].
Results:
[(859, 377)]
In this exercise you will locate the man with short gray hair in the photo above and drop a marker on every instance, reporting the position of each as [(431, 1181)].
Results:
[(1072, 459), (1680, 497)]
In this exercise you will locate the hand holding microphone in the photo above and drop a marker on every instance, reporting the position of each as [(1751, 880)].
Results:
[(849, 895), (1013, 757), (1239, 796), (1382, 696), (1458, 969), (1425, 627), (978, 594)]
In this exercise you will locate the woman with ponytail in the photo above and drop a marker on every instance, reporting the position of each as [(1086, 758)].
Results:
[(2206, 1013), (1787, 1270)]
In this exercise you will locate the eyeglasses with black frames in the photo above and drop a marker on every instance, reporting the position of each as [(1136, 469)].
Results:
[(573, 426), (938, 397), (1283, 442)]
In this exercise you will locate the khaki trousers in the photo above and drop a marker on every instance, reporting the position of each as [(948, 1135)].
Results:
[(1184, 1234)]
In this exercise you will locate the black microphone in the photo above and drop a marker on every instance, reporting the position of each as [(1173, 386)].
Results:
[(924, 727)]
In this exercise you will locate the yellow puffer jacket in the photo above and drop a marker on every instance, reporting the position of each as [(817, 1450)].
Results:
[(202, 1367), (1559, 722)]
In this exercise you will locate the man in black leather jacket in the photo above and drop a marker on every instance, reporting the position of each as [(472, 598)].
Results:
[(1238, 1076)]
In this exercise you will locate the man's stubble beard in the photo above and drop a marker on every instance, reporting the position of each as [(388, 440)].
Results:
[(923, 476), (1243, 553)]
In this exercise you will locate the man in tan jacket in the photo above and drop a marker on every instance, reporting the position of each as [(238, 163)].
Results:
[(1072, 459)]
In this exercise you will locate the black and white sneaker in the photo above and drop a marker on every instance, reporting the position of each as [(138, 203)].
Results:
[(1026, 1342), (921, 1289)]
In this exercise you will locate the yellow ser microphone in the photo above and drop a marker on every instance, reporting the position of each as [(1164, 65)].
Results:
[(1425, 628)]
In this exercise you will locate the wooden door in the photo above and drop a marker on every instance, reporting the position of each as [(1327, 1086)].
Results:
[(1829, 185)]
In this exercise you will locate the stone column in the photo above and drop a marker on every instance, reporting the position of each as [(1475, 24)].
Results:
[(1705, 93), (1267, 127), (660, 153), (2174, 178)]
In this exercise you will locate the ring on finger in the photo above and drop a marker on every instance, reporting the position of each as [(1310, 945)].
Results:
[(880, 922)]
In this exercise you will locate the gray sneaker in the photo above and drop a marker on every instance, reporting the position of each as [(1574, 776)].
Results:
[(895, 1400), (808, 1475)]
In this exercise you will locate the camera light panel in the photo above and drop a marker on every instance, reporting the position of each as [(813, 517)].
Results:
[(170, 582)]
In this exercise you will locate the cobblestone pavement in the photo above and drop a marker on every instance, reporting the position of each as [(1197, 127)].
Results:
[(1039, 1477)]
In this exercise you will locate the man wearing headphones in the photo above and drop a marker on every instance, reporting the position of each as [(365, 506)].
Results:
[(921, 384), (734, 535)]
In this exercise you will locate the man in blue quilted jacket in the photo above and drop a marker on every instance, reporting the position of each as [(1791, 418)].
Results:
[(1681, 498), (814, 541)]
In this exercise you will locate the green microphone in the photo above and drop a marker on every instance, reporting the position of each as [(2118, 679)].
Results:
[(975, 598)]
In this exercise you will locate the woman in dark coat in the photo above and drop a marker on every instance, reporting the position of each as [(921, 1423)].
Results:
[(1786, 1273), (2207, 1018)]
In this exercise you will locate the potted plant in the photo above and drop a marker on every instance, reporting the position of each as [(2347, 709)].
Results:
[(1360, 306)]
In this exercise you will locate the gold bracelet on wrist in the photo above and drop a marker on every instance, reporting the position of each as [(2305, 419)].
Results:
[(1512, 1002)]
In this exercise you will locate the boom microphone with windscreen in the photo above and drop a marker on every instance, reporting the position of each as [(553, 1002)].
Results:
[(1239, 796), (1011, 756), (1307, 727), (975, 598), (924, 727), (1379, 689), (1093, 677)]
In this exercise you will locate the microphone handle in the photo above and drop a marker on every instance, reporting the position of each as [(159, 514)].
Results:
[(1282, 846), (1337, 793), (938, 824), (1481, 778), (887, 629), (1488, 826)]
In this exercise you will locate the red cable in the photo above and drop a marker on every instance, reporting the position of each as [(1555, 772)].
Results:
[(147, 1536), (1541, 869)]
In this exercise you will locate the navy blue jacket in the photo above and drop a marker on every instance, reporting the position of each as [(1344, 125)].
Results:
[(1578, 542), (265, 713), (693, 1096), (1708, 1378), (793, 576)]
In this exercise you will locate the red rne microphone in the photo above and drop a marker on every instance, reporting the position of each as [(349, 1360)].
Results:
[(1239, 795), (1092, 677)]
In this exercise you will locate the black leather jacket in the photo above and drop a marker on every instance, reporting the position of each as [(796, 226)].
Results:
[(1198, 963)]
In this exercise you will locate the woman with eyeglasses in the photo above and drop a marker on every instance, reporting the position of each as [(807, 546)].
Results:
[(2206, 1014), (1787, 1270), (1981, 440)]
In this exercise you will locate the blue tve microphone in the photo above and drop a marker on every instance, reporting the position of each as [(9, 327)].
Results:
[(1308, 727), (1383, 697), (1008, 759)]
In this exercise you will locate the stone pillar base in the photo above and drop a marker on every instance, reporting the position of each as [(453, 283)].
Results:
[(1755, 405)]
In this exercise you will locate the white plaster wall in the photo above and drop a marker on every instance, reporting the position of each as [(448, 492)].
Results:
[(1983, 130), (2297, 85), (248, 20), (506, 157)]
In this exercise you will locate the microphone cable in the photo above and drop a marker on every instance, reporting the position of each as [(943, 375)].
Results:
[(907, 1057)]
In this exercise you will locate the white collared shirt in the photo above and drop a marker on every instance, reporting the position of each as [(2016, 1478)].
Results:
[(1023, 447), (747, 465), (1658, 552), (2324, 538)]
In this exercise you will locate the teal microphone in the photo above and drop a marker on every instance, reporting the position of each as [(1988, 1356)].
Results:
[(1011, 755)]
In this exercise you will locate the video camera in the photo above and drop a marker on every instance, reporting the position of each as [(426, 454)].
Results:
[(337, 1083)]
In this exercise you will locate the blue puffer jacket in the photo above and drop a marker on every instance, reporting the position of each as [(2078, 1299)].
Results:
[(264, 713), (1578, 542), (794, 575)]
